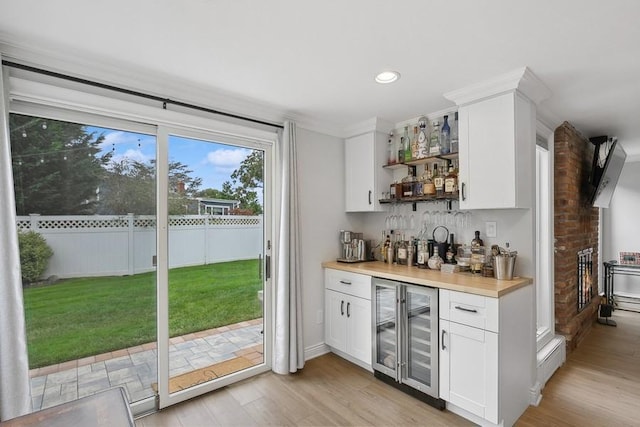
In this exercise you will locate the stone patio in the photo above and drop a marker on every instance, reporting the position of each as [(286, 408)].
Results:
[(135, 368)]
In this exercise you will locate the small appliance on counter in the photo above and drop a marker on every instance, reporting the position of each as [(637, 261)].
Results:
[(353, 247)]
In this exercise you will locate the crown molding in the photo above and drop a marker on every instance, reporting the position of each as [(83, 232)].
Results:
[(374, 124), (521, 79)]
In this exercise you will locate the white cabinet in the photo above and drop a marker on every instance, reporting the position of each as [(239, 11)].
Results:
[(497, 152), (348, 315), (487, 349), (365, 179)]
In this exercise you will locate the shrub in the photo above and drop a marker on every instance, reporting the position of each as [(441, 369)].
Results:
[(34, 255)]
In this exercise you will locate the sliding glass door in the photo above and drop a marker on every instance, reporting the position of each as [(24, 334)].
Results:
[(143, 254), (216, 246), (85, 202)]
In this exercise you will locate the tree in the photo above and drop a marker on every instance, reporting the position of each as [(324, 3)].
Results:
[(56, 166), (245, 181), (130, 187)]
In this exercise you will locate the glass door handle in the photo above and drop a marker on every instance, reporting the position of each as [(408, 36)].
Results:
[(267, 267)]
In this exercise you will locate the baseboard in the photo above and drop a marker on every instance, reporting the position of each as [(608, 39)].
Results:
[(627, 302), (316, 350), (550, 358)]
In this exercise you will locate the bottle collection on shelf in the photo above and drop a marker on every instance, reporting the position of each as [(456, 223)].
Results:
[(440, 177), (446, 256), (441, 141)]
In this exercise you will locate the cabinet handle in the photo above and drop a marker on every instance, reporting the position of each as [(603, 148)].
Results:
[(442, 339), (345, 282), (370, 196), (348, 309), (342, 308), (464, 197), (468, 310)]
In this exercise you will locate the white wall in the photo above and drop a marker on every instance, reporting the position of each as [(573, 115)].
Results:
[(620, 228), (321, 198)]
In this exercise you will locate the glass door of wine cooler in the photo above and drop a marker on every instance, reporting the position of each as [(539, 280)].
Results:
[(385, 324), (420, 338)]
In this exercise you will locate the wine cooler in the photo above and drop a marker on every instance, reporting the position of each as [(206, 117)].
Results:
[(405, 348)]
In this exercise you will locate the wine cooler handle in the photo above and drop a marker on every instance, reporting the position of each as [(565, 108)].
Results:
[(342, 308), (442, 339), (348, 309), (369, 196), (462, 191), (468, 310)]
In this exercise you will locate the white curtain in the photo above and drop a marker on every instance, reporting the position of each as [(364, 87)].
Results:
[(15, 398), (288, 354)]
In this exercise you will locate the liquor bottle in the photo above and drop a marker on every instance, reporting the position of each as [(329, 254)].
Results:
[(454, 134), (414, 144), (411, 253), (428, 188), (477, 241), (435, 262), (445, 137), (451, 251), (423, 254), (423, 140), (438, 181), (404, 142), (385, 247), (402, 252), (451, 182), (434, 140), (407, 184), (391, 151)]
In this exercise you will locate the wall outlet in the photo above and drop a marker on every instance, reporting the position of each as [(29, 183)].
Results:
[(491, 229), (319, 317)]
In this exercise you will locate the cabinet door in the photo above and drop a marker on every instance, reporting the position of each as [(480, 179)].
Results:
[(469, 369), (335, 332), (487, 153), (360, 173), (358, 314)]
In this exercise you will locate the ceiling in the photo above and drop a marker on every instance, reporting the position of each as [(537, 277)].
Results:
[(315, 61)]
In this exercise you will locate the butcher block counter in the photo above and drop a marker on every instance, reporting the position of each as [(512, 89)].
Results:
[(461, 282)]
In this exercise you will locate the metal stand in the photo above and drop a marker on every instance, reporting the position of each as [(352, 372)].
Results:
[(604, 311)]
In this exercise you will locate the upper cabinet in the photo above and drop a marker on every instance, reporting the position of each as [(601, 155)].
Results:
[(365, 154), (497, 129)]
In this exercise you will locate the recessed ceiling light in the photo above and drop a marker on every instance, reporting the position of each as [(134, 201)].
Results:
[(387, 77)]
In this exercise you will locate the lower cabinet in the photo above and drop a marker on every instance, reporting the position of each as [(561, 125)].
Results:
[(487, 352), (469, 369), (348, 315)]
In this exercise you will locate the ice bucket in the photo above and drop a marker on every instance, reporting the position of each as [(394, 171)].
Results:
[(503, 266)]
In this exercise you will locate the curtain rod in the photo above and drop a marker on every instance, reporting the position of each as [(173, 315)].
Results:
[(164, 101)]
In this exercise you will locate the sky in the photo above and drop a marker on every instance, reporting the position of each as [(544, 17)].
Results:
[(213, 162)]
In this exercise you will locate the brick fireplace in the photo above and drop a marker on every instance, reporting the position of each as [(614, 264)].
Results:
[(576, 230)]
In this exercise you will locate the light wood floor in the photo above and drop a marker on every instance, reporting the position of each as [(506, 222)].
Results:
[(598, 386)]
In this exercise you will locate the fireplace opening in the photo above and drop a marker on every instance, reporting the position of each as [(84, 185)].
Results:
[(585, 270)]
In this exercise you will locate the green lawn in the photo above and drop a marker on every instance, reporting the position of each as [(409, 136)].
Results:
[(81, 317)]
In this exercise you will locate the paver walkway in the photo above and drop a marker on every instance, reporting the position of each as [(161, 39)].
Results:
[(135, 368)]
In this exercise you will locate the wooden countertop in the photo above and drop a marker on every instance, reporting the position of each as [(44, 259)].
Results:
[(462, 282)]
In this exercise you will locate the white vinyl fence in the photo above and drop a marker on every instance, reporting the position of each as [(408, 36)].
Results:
[(110, 245)]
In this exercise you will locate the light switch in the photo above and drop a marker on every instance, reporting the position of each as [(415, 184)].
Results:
[(491, 229)]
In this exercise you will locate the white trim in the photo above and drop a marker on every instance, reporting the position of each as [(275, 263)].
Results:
[(521, 79), (317, 350)]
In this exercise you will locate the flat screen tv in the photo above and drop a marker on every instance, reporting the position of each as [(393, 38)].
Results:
[(608, 160)]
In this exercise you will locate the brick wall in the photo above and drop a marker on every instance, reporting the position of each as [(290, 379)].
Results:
[(576, 228)]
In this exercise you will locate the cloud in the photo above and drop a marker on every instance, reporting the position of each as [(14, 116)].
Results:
[(132, 154), (226, 158)]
